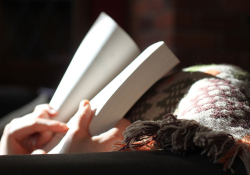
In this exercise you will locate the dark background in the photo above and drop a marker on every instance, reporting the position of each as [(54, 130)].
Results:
[(38, 38)]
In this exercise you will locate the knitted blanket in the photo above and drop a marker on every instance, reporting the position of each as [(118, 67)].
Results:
[(202, 107)]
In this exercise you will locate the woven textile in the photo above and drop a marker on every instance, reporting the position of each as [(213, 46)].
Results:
[(211, 107)]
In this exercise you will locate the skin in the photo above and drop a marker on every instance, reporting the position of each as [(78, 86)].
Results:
[(26, 135), (78, 138)]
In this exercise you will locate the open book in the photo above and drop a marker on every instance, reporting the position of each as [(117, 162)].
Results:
[(108, 69)]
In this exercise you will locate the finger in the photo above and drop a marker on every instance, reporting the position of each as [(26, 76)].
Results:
[(79, 123), (29, 143), (37, 114), (24, 128), (44, 138), (46, 107), (36, 140), (84, 115), (39, 151)]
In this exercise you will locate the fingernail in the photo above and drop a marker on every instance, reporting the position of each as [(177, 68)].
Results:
[(85, 103), (52, 111)]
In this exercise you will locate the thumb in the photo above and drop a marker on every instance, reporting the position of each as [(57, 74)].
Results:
[(84, 115), (82, 118)]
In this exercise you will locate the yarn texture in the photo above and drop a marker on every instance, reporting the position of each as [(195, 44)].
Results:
[(205, 107)]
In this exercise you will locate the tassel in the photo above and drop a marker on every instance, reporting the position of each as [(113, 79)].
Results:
[(180, 135)]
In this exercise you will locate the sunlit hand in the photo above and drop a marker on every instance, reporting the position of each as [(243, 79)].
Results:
[(78, 139), (25, 134)]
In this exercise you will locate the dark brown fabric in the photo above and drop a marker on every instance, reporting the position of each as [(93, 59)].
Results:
[(119, 163)]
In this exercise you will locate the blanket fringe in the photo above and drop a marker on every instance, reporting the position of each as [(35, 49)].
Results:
[(180, 136)]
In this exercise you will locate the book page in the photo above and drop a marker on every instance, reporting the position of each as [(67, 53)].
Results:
[(121, 93), (118, 97), (104, 53)]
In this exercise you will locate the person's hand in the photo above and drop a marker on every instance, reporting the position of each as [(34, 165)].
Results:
[(78, 139), (26, 134)]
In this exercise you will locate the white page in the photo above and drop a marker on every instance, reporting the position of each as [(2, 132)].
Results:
[(118, 97), (121, 93), (105, 52)]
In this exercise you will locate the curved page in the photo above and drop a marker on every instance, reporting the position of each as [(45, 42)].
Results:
[(104, 53), (118, 96), (121, 93)]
